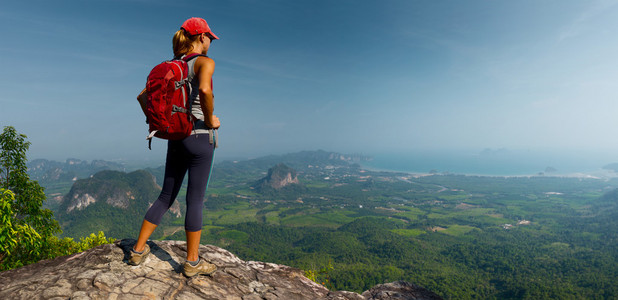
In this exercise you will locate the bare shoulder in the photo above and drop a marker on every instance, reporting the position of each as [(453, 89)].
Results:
[(205, 60), (205, 65)]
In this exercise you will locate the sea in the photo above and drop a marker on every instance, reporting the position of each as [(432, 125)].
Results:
[(499, 162)]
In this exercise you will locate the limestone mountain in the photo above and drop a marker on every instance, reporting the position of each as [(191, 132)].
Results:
[(278, 177), (103, 273), (112, 201)]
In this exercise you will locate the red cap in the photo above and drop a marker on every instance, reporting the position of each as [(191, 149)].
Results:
[(195, 26)]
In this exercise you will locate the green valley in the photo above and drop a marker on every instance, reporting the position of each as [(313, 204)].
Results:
[(460, 236)]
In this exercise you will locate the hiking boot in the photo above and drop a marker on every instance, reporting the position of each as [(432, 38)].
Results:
[(203, 267), (138, 258)]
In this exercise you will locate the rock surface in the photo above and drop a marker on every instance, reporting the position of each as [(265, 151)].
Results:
[(103, 273), (399, 290)]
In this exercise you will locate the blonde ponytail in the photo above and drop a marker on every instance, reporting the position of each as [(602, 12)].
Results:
[(182, 43)]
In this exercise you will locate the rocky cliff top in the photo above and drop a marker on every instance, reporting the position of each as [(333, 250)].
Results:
[(103, 273)]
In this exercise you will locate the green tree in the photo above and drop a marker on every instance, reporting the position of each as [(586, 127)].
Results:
[(29, 195), (26, 229)]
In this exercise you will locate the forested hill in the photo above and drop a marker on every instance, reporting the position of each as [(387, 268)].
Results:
[(109, 201)]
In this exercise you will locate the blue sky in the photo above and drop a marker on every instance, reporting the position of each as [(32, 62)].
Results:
[(349, 76)]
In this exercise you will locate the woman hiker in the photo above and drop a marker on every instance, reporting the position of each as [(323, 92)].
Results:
[(193, 154)]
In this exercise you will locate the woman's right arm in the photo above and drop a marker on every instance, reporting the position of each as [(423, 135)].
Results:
[(205, 67)]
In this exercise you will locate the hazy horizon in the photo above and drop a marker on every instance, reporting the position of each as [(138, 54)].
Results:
[(346, 76), (488, 162)]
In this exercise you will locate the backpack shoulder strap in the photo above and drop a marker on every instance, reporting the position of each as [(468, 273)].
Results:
[(189, 57)]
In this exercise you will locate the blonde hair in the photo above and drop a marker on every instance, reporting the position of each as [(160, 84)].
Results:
[(182, 42)]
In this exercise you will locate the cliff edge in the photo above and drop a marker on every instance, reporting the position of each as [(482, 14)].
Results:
[(103, 273)]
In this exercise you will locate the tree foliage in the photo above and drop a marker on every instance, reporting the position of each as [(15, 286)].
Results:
[(17, 241), (29, 195), (26, 229)]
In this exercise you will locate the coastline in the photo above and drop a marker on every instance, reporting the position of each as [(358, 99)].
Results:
[(600, 174)]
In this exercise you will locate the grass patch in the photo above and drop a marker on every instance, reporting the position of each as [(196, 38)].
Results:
[(318, 185), (272, 218), (241, 205), (436, 216), (208, 228), (232, 217), (410, 213), (458, 230), (409, 232)]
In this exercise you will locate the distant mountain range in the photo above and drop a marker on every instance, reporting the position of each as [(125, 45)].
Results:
[(611, 167), (300, 161), (44, 170), (103, 197)]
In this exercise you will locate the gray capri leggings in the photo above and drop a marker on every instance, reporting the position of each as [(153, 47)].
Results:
[(193, 154)]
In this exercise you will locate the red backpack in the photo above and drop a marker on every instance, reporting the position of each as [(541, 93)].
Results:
[(168, 109)]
